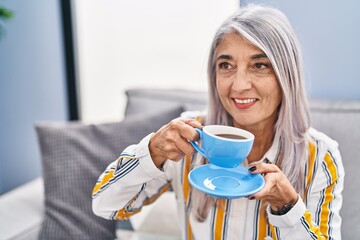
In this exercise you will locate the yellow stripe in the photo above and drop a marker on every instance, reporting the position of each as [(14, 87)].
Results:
[(186, 191), (325, 208), (262, 223), (272, 228), (325, 211), (186, 185), (110, 175), (153, 198), (311, 165), (322, 230), (189, 231), (221, 205), (313, 228), (122, 214), (127, 157), (331, 167), (107, 177)]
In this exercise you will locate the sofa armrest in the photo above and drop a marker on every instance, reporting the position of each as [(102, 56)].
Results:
[(22, 211)]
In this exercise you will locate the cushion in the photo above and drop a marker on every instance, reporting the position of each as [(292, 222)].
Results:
[(166, 226), (340, 121), (154, 100), (73, 157)]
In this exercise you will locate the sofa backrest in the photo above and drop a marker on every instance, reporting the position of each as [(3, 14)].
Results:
[(144, 101), (340, 120)]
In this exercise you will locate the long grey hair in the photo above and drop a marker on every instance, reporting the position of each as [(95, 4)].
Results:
[(269, 30)]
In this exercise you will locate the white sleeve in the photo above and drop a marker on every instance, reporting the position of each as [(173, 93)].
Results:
[(128, 183), (318, 217)]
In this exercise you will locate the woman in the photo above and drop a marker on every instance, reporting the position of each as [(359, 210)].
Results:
[(255, 83)]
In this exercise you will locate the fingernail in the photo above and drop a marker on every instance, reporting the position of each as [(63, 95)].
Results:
[(253, 168), (266, 160)]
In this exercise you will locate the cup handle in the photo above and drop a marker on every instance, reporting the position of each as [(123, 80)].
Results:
[(195, 145)]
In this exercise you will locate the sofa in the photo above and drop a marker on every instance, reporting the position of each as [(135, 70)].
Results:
[(73, 155)]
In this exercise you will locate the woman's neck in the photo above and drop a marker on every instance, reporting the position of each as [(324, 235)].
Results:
[(262, 143)]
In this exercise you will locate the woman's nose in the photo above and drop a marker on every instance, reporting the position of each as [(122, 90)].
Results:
[(241, 81)]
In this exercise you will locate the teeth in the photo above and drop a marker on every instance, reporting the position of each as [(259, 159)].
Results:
[(245, 101)]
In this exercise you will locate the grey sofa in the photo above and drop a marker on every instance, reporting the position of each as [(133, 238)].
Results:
[(51, 209)]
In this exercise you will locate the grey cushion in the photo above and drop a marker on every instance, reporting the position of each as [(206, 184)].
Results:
[(73, 157), (155, 100), (340, 120)]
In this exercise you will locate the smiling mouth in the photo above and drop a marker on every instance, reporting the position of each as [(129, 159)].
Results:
[(245, 101)]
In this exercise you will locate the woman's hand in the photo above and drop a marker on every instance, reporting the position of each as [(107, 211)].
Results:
[(172, 140), (277, 191)]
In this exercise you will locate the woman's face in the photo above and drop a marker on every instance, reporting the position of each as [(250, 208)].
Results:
[(246, 83)]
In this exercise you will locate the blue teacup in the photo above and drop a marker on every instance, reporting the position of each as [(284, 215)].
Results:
[(224, 146)]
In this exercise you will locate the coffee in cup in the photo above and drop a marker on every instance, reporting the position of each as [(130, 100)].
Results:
[(224, 146)]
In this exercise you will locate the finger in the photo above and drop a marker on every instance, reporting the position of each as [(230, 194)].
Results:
[(176, 144), (185, 147), (175, 155), (187, 131), (251, 197), (271, 180), (266, 160), (264, 192), (170, 148), (194, 123), (263, 168)]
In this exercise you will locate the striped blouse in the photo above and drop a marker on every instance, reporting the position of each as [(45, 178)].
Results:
[(133, 181)]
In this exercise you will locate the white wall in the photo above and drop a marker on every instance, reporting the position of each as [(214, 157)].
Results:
[(125, 44)]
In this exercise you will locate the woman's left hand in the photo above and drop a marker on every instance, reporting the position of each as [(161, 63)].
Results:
[(278, 190)]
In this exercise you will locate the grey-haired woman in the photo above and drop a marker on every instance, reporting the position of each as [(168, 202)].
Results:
[(256, 83)]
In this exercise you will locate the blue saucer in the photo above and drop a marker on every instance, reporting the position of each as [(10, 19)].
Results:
[(225, 182)]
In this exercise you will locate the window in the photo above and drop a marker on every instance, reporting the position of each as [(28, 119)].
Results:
[(155, 44)]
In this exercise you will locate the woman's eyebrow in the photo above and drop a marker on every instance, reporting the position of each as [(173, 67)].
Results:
[(259, 55), (223, 56), (255, 56)]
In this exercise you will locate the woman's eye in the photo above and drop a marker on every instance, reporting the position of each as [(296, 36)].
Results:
[(225, 66), (261, 65)]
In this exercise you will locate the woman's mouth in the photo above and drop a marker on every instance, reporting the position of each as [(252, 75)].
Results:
[(244, 103)]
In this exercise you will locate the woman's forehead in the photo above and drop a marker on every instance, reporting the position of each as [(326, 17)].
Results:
[(234, 43)]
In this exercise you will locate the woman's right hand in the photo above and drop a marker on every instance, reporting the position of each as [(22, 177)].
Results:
[(172, 140)]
